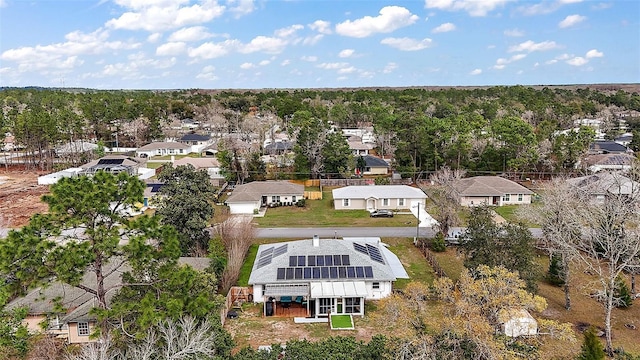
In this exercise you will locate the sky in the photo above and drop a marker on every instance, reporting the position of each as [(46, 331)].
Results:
[(254, 44)]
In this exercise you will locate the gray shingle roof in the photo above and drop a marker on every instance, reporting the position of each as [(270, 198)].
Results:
[(267, 273), (488, 186), (374, 161), (379, 192), (164, 145), (254, 191)]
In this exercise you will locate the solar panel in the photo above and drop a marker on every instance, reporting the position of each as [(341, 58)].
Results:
[(337, 260), (307, 273), (289, 274), (342, 272), (266, 251), (333, 272), (375, 254), (280, 250), (328, 260), (325, 272), (368, 272), (155, 187), (293, 260), (316, 273), (361, 248), (298, 273), (280, 274), (110, 161), (311, 260), (264, 261), (359, 272), (320, 260), (345, 260), (351, 272), (301, 260)]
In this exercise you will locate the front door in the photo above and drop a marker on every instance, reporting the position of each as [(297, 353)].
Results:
[(338, 306), (264, 201)]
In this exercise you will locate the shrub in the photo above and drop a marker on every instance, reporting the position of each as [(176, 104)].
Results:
[(301, 203), (438, 244), (592, 348), (554, 275), (622, 293)]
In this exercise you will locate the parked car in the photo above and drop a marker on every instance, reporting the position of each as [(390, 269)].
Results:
[(381, 213)]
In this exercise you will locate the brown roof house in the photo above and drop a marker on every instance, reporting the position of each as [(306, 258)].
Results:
[(491, 190), (248, 198)]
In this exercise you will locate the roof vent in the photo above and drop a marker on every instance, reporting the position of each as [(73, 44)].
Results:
[(316, 240)]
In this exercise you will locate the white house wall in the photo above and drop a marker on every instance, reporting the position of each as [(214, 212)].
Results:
[(244, 207)]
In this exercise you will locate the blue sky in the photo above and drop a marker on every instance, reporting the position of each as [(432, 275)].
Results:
[(247, 44)]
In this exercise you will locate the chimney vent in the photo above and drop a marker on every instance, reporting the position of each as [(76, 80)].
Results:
[(316, 240)]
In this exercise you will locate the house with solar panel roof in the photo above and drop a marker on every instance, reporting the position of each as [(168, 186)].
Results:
[(317, 277)]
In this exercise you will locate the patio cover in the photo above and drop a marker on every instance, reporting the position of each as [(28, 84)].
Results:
[(333, 289), (286, 290)]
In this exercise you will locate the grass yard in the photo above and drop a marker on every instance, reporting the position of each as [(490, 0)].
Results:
[(341, 322), (511, 214), (415, 264), (319, 213), (451, 262)]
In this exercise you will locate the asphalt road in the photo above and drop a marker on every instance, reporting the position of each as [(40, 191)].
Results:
[(340, 232)]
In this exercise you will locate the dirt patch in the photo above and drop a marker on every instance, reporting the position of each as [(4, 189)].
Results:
[(20, 196)]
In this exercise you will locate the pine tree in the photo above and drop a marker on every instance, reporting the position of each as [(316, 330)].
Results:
[(592, 348), (622, 293), (554, 275)]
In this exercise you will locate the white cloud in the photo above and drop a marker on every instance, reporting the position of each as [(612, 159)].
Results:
[(476, 72), (312, 40), (446, 27), (333, 66), (247, 66), (264, 62), (347, 70), (407, 44), (285, 62), (571, 20), (390, 67), (346, 53), (269, 45), (530, 46), (211, 50), (171, 49), (473, 7), (3, 3), (577, 61), (321, 26), (190, 34), (502, 62), (514, 33), (288, 31), (593, 53), (309, 58), (243, 7), (208, 73), (161, 15), (155, 37), (391, 18)]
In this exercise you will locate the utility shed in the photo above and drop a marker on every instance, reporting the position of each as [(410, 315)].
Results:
[(518, 323)]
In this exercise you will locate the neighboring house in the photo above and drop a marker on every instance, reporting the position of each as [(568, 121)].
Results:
[(358, 147), (600, 162), (374, 166), (607, 147), (373, 197), (278, 148), (491, 190), (246, 198), (163, 149), (624, 139), (151, 194), (602, 184), (211, 165), (66, 309), (111, 163), (75, 147), (323, 276), (516, 323), (196, 141)]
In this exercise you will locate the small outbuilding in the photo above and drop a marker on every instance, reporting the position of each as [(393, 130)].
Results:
[(517, 322)]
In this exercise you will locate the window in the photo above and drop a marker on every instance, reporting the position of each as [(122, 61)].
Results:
[(385, 202), (83, 329), (506, 197), (400, 202), (376, 285), (275, 198), (345, 202), (520, 197), (293, 199), (352, 306), (325, 306)]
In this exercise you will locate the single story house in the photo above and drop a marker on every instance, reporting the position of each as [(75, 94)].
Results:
[(209, 164), (246, 198), (600, 162), (373, 197), (196, 141), (607, 147), (602, 184), (319, 277), (358, 147), (518, 322), (491, 190), (163, 148), (66, 308), (374, 166)]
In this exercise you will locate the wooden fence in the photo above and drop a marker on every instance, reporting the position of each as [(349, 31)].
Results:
[(313, 195), (236, 296), (430, 257)]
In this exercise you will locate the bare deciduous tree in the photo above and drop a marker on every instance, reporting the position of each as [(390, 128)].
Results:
[(237, 234), (443, 194)]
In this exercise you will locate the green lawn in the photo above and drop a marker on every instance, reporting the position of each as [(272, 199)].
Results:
[(511, 214), (414, 263), (319, 213), (245, 270), (341, 322)]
